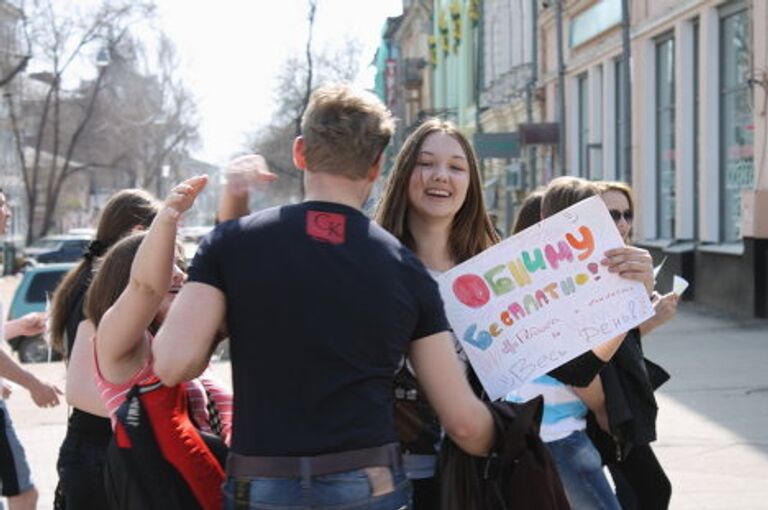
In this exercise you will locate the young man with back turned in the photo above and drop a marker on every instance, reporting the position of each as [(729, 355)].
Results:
[(320, 304)]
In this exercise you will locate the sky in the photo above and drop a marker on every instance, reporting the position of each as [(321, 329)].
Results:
[(232, 50)]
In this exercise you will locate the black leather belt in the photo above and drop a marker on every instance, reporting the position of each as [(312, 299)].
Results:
[(246, 466)]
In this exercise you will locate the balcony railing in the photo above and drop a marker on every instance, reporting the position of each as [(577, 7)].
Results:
[(508, 86)]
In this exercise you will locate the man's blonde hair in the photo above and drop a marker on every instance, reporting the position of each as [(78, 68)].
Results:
[(345, 130)]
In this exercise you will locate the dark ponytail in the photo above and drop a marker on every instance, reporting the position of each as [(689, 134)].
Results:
[(125, 210)]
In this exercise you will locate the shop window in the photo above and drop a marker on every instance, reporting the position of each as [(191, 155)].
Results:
[(665, 137), (737, 170)]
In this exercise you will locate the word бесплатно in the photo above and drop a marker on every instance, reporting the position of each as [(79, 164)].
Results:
[(475, 291)]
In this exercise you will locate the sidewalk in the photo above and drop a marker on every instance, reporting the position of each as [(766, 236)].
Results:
[(713, 413), (713, 419)]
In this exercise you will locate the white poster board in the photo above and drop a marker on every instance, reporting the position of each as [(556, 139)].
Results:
[(541, 298)]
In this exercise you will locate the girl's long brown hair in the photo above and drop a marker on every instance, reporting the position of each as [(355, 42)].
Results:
[(112, 274), (563, 192), (529, 212), (471, 229), (124, 211)]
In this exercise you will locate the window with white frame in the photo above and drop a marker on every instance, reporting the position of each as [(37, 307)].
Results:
[(665, 137), (737, 170)]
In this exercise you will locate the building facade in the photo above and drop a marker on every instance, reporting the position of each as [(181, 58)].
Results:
[(670, 98), (698, 131), (456, 62), (507, 101), (413, 81)]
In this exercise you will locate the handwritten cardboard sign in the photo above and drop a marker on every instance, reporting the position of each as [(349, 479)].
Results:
[(541, 298)]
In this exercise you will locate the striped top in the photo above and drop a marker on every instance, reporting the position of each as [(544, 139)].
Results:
[(204, 389), (564, 412), (197, 391)]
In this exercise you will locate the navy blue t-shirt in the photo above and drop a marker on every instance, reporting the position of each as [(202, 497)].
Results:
[(321, 306)]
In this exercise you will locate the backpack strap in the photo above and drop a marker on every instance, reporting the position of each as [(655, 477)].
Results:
[(513, 422), (144, 458)]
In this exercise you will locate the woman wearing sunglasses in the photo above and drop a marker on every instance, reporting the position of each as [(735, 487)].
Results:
[(618, 198), (621, 398)]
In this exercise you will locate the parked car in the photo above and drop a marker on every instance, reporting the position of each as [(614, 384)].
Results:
[(36, 286), (59, 248)]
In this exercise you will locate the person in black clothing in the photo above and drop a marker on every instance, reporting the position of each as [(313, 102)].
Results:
[(82, 454), (321, 305), (629, 411)]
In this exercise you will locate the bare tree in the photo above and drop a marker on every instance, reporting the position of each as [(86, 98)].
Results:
[(308, 52), (148, 117), (13, 60), (176, 128), (274, 141), (62, 36)]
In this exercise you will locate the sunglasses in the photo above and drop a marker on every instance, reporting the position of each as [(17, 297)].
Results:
[(617, 215)]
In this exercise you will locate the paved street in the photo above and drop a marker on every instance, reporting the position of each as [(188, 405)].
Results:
[(713, 418), (713, 421)]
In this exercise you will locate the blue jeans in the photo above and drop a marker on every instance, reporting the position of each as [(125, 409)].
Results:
[(350, 490), (581, 471)]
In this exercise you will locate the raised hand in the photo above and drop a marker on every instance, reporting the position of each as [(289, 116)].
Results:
[(246, 171), (631, 263), (183, 195)]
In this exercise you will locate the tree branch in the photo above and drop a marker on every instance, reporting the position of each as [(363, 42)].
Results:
[(16, 70)]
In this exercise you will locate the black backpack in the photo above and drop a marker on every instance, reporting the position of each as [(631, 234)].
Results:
[(518, 474), (139, 476)]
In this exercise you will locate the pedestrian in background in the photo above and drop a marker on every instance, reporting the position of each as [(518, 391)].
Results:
[(622, 398), (321, 305), (15, 476), (618, 197), (529, 212), (82, 454)]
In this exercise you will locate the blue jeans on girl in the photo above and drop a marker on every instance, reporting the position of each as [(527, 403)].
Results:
[(581, 471)]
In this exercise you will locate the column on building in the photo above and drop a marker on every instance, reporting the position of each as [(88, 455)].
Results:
[(506, 95)]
